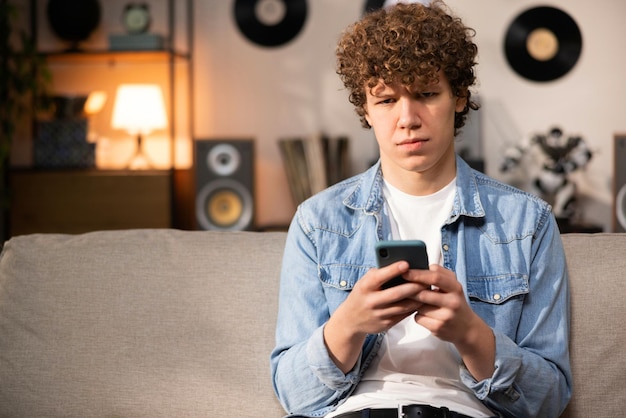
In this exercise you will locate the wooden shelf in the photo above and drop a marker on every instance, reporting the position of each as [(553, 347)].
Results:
[(112, 57)]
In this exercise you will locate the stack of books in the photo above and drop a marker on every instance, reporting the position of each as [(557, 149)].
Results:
[(136, 42)]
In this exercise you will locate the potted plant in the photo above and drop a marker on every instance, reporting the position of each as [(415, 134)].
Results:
[(24, 84)]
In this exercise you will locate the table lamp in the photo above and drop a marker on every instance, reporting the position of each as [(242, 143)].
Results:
[(139, 109)]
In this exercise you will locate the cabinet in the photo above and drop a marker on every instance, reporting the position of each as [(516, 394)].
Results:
[(77, 201)]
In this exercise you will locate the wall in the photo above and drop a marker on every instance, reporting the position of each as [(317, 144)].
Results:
[(243, 90)]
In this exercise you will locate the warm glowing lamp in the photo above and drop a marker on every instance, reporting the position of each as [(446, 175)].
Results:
[(139, 109)]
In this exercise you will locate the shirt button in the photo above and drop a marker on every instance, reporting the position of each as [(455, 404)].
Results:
[(497, 296), (446, 247), (343, 283)]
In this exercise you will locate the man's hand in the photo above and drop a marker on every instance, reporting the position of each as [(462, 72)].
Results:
[(369, 310), (444, 311)]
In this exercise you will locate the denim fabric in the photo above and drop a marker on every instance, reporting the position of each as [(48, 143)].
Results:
[(505, 248)]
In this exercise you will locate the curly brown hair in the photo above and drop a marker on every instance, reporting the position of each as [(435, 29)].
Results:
[(410, 43)]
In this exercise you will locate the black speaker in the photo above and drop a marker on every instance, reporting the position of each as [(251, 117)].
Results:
[(619, 184), (224, 184), (469, 140)]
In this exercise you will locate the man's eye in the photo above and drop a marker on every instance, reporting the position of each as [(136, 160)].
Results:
[(386, 101), (427, 94)]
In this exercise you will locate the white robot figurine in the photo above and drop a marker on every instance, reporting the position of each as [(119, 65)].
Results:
[(564, 155)]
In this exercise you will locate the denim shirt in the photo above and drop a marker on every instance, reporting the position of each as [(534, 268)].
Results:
[(505, 249)]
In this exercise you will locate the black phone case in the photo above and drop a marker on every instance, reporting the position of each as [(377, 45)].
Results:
[(412, 251)]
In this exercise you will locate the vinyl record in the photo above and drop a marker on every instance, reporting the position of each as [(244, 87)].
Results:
[(543, 44), (270, 23), (373, 5)]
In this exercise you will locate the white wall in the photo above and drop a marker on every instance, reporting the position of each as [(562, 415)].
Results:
[(243, 90)]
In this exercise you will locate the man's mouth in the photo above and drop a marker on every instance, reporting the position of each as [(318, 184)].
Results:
[(412, 141), (412, 145)]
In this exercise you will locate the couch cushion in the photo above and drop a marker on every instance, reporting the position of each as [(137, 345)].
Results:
[(597, 268), (141, 323)]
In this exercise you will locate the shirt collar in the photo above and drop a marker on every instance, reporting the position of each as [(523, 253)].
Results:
[(367, 192)]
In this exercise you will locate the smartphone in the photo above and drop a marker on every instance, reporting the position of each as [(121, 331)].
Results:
[(412, 251)]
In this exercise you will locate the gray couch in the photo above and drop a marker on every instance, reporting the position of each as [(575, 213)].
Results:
[(166, 323)]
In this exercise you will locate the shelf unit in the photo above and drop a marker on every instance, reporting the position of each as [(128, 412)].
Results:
[(77, 189), (171, 55)]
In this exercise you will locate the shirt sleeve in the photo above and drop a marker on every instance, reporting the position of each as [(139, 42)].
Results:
[(305, 378)]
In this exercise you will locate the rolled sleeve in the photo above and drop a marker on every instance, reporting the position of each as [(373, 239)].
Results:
[(325, 369), (508, 363)]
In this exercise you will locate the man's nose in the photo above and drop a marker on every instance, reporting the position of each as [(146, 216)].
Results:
[(409, 114)]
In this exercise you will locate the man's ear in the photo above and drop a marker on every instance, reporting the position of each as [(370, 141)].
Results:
[(366, 116), (461, 101)]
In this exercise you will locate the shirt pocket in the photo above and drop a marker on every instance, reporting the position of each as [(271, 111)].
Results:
[(341, 276), (498, 300), (338, 280)]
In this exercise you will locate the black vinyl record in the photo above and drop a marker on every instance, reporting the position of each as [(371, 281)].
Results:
[(543, 44), (270, 23), (373, 5)]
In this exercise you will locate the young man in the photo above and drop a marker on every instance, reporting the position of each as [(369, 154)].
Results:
[(484, 331)]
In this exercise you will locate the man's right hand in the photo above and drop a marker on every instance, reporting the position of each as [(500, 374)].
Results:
[(369, 310)]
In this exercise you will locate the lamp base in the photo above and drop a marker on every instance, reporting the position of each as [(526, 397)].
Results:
[(140, 160)]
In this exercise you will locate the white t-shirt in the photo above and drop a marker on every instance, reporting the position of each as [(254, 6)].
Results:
[(397, 376)]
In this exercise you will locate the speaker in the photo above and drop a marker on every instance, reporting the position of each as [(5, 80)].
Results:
[(619, 184), (224, 184), (469, 140)]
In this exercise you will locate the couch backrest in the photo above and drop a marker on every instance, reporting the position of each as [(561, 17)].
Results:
[(597, 269), (142, 323), (164, 323)]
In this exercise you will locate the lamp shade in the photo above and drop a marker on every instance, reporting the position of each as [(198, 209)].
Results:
[(139, 108)]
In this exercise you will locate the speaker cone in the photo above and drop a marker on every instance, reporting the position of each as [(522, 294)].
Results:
[(224, 207), (224, 204), (223, 159)]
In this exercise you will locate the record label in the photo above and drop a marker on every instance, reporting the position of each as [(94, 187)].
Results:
[(543, 44), (270, 23)]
